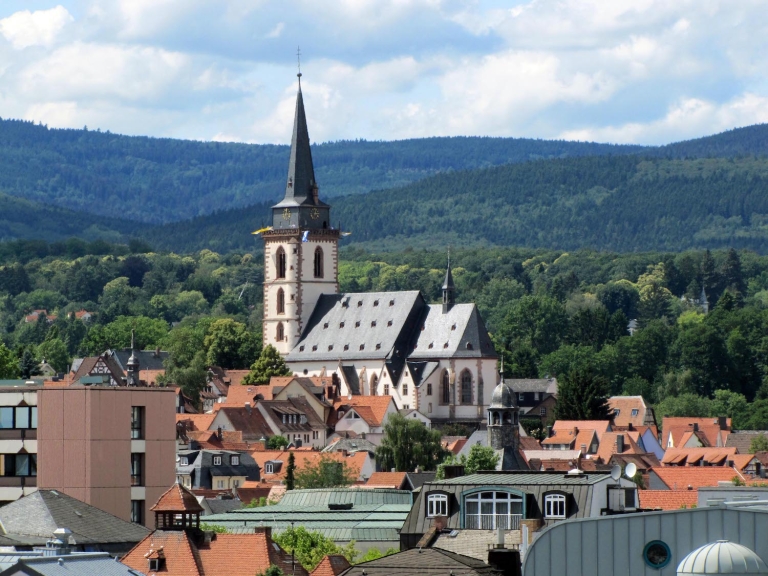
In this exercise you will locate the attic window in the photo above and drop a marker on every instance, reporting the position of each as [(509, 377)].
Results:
[(325, 325), (453, 327), (635, 411), (357, 324), (183, 461), (378, 346), (301, 348), (445, 345), (345, 304), (373, 324), (330, 347), (375, 302), (341, 324), (346, 347), (389, 323), (269, 468), (469, 345), (359, 303), (314, 348), (217, 460), (616, 412), (362, 346), (430, 345), (391, 302)]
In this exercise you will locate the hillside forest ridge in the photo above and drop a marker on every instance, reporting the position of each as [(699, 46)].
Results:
[(705, 193), (550, 313)]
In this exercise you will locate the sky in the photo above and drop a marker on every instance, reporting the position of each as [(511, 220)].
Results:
[(622, 71)]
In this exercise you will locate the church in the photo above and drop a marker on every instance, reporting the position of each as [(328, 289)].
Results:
[(434, 358)]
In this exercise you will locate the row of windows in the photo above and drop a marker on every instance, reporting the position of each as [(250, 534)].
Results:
[(18, 464), (484, 510), (317, 264), (20, 417)]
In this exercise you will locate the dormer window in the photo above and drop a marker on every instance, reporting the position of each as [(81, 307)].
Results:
[(635, 411), (314, 348), (183, 461), (359, 303), (269, 468), (437, 505), (389, 323), (156, 564), (378, 346), (234, 460), (330, 347), (362, 346), (373, 324), (616, 412), (554, 506), (302, 419), (217, 460), (301, 348), (391, 302), (357, 324), (375, 302), (325, 326), (346, 347), (341, 324)]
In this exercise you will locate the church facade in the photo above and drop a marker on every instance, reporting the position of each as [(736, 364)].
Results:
[(435, 358)]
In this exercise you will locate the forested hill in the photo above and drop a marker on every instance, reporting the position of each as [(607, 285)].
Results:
[(751, 140), (623, 203), (164, 180)]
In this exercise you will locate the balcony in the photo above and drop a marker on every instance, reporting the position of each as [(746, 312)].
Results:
[(492, 521)]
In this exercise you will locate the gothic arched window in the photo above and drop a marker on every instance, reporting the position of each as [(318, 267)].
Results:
[(318, 262), (281, 301), (466, 387), (374, 384), (445, 395), (280, 262), (280, 332)]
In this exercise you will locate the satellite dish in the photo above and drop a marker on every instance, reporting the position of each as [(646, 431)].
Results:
[(630, 470), (616, 472)]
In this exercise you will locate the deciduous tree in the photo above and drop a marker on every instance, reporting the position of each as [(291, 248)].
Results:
[(408, 443), (269, 364)]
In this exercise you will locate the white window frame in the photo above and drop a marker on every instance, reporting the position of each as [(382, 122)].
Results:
[(234, 460), (555, 507), (437, 505), (183, 461), (269, 468), (217, 460)]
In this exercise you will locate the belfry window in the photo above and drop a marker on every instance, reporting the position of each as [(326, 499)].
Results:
[(318, 262), (281, 301), (445, 392), (466, 387), (280, 262)]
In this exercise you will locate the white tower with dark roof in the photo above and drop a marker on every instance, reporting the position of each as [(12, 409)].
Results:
[(301, 249)]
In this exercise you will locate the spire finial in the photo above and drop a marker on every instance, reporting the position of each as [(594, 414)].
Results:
[(298, 60), (133, 336)]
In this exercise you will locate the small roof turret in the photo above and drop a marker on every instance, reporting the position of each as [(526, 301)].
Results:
[(502, 397)]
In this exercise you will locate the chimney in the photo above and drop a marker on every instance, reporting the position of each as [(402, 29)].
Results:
[(453, 471), (219, 435), (549, 431), (629, 426), (695, 426), (723, 422), (248, 407), (575, 431), (619, 443), (263, 530)]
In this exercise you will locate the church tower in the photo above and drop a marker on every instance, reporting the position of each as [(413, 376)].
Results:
[(503, 430), (300, 250)]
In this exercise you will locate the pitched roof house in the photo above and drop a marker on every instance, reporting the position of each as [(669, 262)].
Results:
[(668, 499), (179, 547), (631, 412), (681, 477), (698, 457), (684, 432), (422, 562), (215, 469)]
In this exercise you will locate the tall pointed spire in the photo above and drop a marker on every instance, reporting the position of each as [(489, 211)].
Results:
[(300, 207), (133, 367), (449, 289)]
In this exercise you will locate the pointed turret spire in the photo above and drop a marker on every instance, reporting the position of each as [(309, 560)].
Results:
[(300, 207), (449, 289), (133, 363)]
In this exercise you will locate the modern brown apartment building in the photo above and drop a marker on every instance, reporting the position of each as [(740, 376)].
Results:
[(110, 446), (18, 439)]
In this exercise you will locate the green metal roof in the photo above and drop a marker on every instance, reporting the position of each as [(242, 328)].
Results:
[(526, 478), (356, 496)]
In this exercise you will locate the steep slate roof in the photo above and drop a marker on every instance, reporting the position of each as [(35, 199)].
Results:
[(742, 439), (667, 499), (331, 565), (421, 370), (351, 377), (474, 543), (680, 477), (148, 359), (418, 479), (177, 499), (525, 478), (351, 445), (386, 319), (419, 561), (540, 385), (44, 511), (459, 333)]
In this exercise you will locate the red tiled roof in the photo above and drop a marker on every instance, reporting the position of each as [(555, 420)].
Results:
[(331, 565), (177, 499), (386, 480), (713, 456), (200, 422), (625, 405), (709, 427), (377, 404), (599, 426), (667, 499), (303, 458), (177, 549), (608, 447), (529, 443), (680, 477)]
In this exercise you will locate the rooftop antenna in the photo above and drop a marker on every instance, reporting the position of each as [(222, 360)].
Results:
[(298, 61)]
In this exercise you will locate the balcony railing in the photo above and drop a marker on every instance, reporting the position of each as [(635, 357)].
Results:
[(492, 521)]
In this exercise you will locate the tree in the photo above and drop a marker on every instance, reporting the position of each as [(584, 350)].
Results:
[(28, 366), (480, 458), (622, 295), (9, 364), (732, 276), (709, 277), (758, 444), (582, 395), (538, 321), (269, 364), (277, 443), (272, 571), (311, 547), (150, 332), (326, 472), (290, 472), (702, 350), (408, 443), (655, 298), (230, 345), (54, 352)]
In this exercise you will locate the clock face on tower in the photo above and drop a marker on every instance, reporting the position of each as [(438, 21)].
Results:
[(314, 214), (286, 214)]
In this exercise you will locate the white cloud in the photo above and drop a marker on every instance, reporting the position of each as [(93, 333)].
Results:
[(39, 28), (276, 31), (688, 118)]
